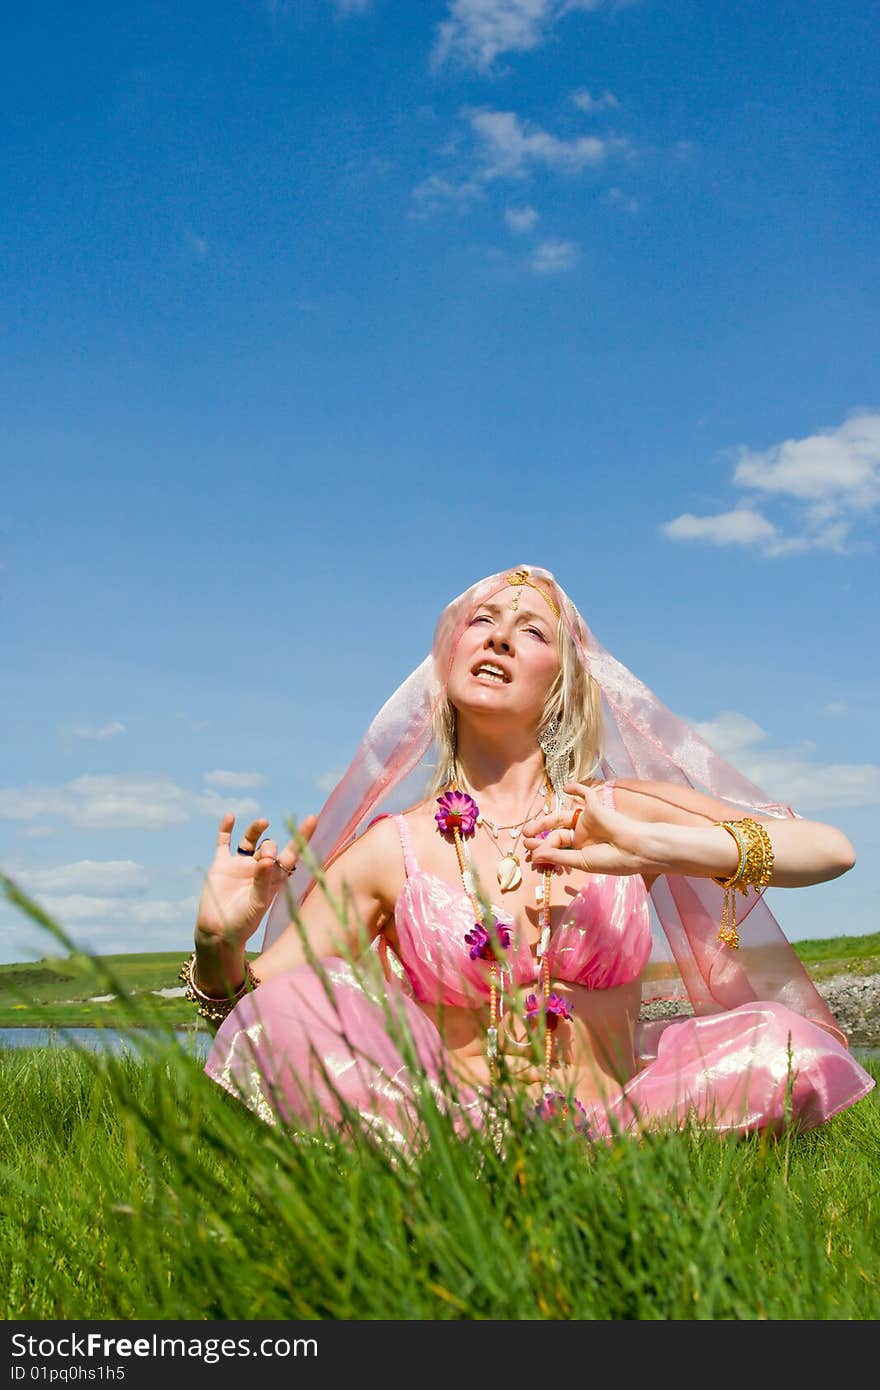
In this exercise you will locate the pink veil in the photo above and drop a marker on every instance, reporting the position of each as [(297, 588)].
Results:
[(643, 739)]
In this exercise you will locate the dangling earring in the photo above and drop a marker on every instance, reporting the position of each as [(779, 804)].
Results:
[(557, 753), (548, 734)]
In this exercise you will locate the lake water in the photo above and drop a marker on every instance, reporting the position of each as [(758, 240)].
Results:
[(197, 1044), (99, 1039)]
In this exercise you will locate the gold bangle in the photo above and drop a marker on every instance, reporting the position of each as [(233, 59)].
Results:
[(732, 828), (211, 1008), (754, 868)]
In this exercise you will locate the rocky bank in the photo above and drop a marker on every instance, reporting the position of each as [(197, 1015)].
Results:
[(854, 1000)]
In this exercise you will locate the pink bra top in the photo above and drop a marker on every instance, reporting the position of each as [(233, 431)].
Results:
[(603, 939)]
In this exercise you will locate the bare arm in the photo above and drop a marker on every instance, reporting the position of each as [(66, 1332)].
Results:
[(239, 890), (360, 887), (662, 828)]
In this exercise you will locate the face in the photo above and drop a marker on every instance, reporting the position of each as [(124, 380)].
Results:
[(507, 658)]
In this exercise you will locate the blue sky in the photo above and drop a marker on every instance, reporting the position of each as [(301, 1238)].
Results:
[(315, 313)]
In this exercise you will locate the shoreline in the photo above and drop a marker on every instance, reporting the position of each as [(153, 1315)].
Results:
[(853, 999)]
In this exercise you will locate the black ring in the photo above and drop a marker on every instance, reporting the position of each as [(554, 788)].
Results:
[(249, 852)]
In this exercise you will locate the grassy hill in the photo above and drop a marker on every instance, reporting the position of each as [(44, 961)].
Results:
[(72, 991)]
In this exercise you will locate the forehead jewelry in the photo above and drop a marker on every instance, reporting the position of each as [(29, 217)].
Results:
[(520, 577)]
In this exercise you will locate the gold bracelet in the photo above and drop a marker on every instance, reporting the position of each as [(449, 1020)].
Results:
[(214, 1010), (754, 868)]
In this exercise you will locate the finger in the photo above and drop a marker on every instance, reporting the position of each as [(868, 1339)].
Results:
[(554, 857), (559, 836), (248, 841), (224, 834), (288, 857), (547, 821), (266, 849)]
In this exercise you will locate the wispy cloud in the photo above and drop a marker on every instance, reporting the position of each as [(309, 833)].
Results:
[(113, 878), (826, 483), (234, 781), (477, 32), (436, 192), (616, 198), (117, 803), (740, 527), (585, 101), (508, 146), (98, 732), (792, 776), (554, 257), (520, 220), (198, 245)]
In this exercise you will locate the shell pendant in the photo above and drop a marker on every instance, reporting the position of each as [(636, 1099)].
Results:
[(508, 872)]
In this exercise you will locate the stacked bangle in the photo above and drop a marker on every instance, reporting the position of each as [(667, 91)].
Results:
[(211, 1008), (754, 869)]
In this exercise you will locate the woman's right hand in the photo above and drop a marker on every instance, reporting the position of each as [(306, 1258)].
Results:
[(239, 888)]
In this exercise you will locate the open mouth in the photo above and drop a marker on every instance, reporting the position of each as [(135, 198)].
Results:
[(488, 670)]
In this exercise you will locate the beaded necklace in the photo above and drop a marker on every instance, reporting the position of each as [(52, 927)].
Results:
[(458, 816)]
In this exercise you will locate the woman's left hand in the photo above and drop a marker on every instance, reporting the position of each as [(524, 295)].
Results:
[(589, 836)]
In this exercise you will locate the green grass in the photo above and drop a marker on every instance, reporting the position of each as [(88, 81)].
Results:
[(138, 1189), (135, 1188)]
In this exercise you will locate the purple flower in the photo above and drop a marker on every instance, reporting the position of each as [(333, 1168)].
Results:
[(553, 1105), (480, 941), (458, 811), (556, 1008)]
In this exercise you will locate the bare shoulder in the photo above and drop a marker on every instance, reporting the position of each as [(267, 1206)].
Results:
[(669, 801), (370, 865)]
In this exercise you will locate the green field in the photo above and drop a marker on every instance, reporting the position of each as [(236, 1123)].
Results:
[(68, 991), (71, 991)]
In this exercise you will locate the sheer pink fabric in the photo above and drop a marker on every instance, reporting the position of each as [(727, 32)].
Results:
[(643, 739), (294, 1052)]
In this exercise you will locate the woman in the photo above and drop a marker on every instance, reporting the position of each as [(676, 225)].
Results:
[(562, 782)]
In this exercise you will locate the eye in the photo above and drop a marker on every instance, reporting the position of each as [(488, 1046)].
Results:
[(536, 632), (480, 618)]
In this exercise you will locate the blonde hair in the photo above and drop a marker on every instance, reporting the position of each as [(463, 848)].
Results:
[(571, 731)]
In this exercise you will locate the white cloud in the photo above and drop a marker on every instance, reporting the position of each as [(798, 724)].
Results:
[(509, 145), (834, 471), (554, 257), (836, 707), (102, 731), (740, 527), (116, 878), (790, 776), (80, 909), (436, 191), (504, 146), (520, 219), (826, 483), (584, 101), (235, 781), (198, 245), (478, 31), (118, 803)]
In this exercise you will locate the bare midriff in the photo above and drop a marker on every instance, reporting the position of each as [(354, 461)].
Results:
[(593, 1055)]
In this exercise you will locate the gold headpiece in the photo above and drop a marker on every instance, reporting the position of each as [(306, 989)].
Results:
[(520, 577)]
